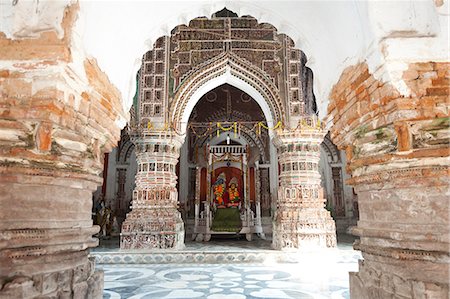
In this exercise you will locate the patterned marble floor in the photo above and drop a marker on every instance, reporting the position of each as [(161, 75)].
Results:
[(319, 275), (225, 281)]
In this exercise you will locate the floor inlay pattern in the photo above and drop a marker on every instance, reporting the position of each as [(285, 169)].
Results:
[(229, 269), (233, 281)]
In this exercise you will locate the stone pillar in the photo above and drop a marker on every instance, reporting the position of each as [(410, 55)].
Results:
[(155, 222), (58, 115), (301, 220), (397, 153)]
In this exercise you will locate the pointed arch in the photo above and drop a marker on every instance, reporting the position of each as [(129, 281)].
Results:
[(231, 69)]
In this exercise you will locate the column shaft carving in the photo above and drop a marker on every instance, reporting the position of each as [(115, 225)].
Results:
[(301, 219), (155, 222), (56, 121)]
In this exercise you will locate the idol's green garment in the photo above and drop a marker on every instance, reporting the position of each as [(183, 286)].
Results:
[(226, 220)]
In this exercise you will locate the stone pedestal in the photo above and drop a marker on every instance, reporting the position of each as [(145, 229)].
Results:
[(397, 153), (155, 222), (301, 219), (58, 114)]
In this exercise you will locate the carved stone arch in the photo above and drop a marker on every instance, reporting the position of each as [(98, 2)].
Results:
[(231, 68), (250, 134), (331, 150), (252, 138), (128, 152), (218, 115), (125, 151)]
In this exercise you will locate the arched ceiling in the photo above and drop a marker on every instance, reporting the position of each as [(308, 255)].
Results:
[(213, 106), (333, 34)]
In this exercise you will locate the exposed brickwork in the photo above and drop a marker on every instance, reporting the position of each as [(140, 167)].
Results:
[(45, 50), (397, 152), (55, 124)]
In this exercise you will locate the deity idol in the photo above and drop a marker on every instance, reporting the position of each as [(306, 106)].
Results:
[(233, 193), (219, 189)]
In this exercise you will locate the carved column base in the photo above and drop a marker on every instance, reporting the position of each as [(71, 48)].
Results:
[(153, 229), (45, 239), (63, 275), (302, 227), (291, 235), (407, 257), (387, 277)]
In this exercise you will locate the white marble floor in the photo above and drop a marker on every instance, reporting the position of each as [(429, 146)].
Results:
[(321, 274)]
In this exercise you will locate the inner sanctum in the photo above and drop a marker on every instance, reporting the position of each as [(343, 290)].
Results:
[(225, 151), (226, 175)]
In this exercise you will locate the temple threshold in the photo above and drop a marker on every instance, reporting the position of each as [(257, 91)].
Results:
[(219, 251)]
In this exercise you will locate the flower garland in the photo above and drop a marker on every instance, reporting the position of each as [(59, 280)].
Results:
[(303, 124), (261, 125), (233, 126)]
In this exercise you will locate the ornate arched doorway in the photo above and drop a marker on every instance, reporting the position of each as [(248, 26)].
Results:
[(175, 75)]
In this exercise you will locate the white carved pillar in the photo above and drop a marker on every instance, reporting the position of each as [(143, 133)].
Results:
[(155, 222), (301, 219), (197, 196)]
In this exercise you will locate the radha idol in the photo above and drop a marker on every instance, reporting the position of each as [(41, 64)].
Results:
[(233, 193)]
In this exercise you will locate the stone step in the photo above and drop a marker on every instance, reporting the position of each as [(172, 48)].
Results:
[(222, 257)]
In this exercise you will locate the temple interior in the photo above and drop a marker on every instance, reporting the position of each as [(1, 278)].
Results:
[(224, 149), (239, 145)]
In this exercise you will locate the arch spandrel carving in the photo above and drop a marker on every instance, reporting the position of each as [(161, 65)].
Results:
[(225, 66), (253, 53)]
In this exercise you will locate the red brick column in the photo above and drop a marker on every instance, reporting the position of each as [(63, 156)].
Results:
[(397, 153), (55, 124)]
